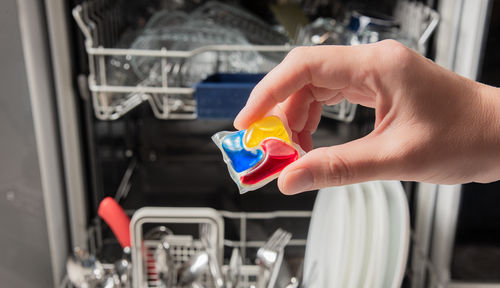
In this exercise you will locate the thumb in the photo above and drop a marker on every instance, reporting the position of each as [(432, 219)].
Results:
[(357, 161)]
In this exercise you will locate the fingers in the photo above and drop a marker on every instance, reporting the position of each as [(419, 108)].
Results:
[(312, 122), (304, 136), (305, 140), (296, 108), (331, 67), (357, 161), (303, 114)]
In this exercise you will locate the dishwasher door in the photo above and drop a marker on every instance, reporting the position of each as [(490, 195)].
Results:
[(72, 126), (34, 237)]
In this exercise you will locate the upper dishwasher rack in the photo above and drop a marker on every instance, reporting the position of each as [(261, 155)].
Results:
[(101, 24), (167, 101)]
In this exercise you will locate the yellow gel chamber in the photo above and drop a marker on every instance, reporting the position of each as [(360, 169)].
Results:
[(270, 126)]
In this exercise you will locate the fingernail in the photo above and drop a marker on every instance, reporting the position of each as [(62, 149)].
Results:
[(297, 181)]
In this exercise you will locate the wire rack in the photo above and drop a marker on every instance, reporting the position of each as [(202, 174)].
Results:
[(185, 246), (111, 102), (167, 100), (182, 249), (101, 24)]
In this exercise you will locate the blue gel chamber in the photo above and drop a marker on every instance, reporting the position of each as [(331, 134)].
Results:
[(241, 159)]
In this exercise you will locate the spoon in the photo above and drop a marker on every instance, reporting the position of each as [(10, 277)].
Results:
[(192, 269), (112, 281), (164, 263), (123, 268), (233, 274)]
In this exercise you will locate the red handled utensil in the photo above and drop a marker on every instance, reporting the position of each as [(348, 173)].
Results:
[(116, 218), (112, 213)]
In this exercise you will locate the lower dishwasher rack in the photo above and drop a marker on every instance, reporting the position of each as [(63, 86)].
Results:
[(252, 231)]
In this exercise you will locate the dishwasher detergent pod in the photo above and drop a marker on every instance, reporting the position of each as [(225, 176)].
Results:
[(257, 155)]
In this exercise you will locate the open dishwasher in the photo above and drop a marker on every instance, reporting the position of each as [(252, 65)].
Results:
[(152, 81), (159, 79)]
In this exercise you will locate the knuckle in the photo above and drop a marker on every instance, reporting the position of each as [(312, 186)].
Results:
[(298, 59), (389, 43), (338, 171), (396, 55), (297, 53)]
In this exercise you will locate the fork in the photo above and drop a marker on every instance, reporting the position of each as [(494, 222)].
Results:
[(270, 257)]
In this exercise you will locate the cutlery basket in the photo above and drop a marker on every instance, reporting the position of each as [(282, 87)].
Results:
[(185, 242)]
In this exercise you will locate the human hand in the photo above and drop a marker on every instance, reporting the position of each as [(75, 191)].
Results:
[(431, 125)]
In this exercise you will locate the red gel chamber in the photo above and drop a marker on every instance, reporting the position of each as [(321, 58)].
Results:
[(278, 155)]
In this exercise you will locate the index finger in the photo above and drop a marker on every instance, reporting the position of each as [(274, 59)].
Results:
[(332, 67)]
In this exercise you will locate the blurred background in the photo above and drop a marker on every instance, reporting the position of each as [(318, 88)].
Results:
[(119, 98)]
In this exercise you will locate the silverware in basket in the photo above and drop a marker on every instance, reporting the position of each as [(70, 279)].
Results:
[(234, 269), (270, 257), (213, 261), (164, 263), (191, 270), (84, 270)]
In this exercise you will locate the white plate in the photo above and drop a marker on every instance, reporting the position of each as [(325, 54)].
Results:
[(399, 219), (368, 267), (377, 235), (325, 240), (357, 233), (383, 229), (313, 258), (337, 241)]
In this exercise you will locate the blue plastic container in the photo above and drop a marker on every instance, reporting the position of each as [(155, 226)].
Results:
[(221, 96)]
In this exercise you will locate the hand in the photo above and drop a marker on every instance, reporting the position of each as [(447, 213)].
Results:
[(431, 124)]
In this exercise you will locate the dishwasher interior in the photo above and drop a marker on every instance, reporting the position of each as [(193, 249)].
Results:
[(144, 72)]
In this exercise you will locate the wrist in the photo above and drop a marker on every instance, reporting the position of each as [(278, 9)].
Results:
[(490, 142)]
